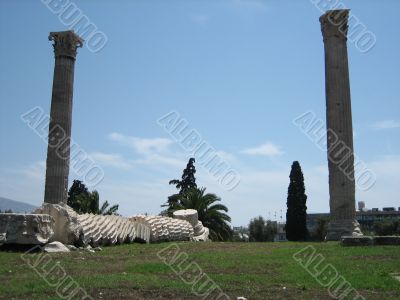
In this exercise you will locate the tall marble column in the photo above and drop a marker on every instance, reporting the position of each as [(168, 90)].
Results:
[(58, 151), (339, 126)]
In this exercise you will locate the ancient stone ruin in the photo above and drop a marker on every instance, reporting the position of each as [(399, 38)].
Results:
[(339, 126), (164, 229), (26, 229), (58, 149), (55, 221), (191, 215), (60, 223)]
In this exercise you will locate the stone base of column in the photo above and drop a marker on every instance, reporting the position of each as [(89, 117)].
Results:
[(339, 228)]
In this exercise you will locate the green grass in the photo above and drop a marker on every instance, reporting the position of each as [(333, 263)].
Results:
[(252, 270)]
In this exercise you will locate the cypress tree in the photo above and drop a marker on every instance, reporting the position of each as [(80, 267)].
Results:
[(296, 215), (187, 182)]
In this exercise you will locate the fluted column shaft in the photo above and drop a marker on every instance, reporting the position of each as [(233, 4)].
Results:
[(58, 151), (339, 124)]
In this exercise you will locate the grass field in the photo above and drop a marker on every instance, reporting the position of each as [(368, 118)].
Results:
[(251, 270)]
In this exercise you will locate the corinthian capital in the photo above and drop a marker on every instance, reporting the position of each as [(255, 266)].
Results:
[(65, 43), (334, 24)]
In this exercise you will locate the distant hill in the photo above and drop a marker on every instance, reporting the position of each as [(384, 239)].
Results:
[(15, 206)]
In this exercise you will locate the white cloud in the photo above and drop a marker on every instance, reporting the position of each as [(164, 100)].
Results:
[(255, 5), (226, 156), (386, 189), (24, 183), (259, 192), (154, 159), (35, 171), (201, 20), (153, 151), (113, 160), (141, 145), (386, 124), (266, 149)]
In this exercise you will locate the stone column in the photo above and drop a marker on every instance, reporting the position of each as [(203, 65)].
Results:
[(339, 126), (58, 151)]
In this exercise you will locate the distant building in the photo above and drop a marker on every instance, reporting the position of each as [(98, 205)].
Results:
[(361, 206), (240, 234), (280, 233), (366, 218), (312, 221)]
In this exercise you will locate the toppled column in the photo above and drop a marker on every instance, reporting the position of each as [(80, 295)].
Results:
[(58, 150), (339, 126), (26, 229), (191, 215), (88, 229), (163, 229)]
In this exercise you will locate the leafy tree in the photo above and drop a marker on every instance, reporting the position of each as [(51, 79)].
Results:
[(211, 214), (83, 201), (387, 227), (262, 230), (296, 215), (322, 228), (187, 182), (77, 188)]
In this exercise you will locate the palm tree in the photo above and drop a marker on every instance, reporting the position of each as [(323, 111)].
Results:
[(211, 214), (89, 203), (110, 211)]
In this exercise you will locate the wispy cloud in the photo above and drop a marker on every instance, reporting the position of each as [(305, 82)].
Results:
[(113, 160), (257, 5), (141, 145), (155, 159), (152, 151), (201, 20), (386, 124), (24, 182), (33, 171), (266, 149)]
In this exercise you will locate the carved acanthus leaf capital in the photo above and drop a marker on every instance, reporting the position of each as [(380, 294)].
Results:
[(65, 43), (334, 24)]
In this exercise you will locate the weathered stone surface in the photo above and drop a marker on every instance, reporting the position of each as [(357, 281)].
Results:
[(164, 228), (58, 150), (357, 241), (190, 215), (387, 240), (2, 238), (370, 240), (106, 230), (339, 126), (55, 247), (67, 228), (72, 247), (395, 276), (339, 228), (35, 229), (88, 229), (200, 233)]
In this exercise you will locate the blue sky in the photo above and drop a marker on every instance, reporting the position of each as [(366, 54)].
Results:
[(238, 71)]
